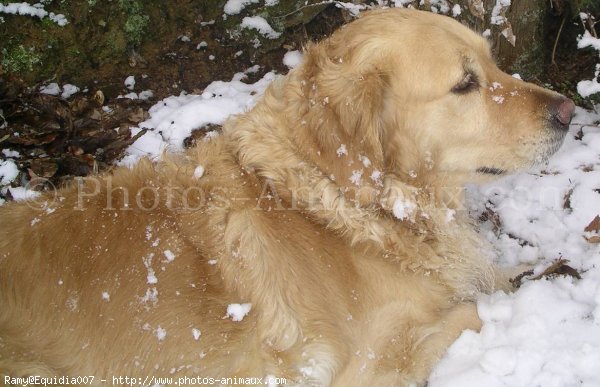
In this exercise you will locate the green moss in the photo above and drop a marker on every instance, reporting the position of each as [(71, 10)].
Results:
[(136, 22), (73, 52), (19, 59), (110, 49), (47, 23), (591, 6), (131, 6), (135, 26)]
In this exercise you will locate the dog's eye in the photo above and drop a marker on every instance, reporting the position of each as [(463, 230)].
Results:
[(467, 84)]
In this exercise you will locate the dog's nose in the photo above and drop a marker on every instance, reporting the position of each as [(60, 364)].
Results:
[(564, 111)]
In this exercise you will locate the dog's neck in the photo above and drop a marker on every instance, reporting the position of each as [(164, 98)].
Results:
[(272, 150)]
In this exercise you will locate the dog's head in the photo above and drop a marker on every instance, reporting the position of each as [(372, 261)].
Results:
[(418, 96)]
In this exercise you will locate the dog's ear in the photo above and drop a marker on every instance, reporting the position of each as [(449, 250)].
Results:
[(345, 84), (350, 80)]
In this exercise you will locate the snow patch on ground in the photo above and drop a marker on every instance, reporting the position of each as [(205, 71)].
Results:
[(65, 92), (69, 90), (36, 10), (8, 172), (261, 25), (588, 87), (174, 118), (50, 89), (129, 82), (234, 7)]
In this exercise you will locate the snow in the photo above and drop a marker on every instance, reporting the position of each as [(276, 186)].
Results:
[(365, 161), (8, 172), (143, 95), (342, 151), (500, 6), (151, 296), (21, 193), (50, 89), (261, 25), (586, 88), (403, 208), (54, 89), (36, 10), (174, 118), (237, 312), (129, 82), (587, 40), (196, 333), (234, 7), (160, 333), (376, 176), (169, 255), (198, 172), (146, 95), (498, 99), (10, 153), (456, 11), (353, 9), (356, 177), (69, 90), (59, 19), (151, 276), (292, 59)]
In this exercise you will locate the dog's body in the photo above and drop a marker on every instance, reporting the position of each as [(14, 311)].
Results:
[(132, 274)]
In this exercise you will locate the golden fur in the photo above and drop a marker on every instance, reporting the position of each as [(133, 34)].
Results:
[(343, 293)]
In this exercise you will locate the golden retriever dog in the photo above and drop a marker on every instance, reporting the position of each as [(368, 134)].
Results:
[(318, 239)]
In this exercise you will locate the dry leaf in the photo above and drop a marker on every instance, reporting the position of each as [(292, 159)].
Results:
[(593, 227), (567, 200), (99, 97), (559, 267), (509, 35), (477, 9), (138, 115)]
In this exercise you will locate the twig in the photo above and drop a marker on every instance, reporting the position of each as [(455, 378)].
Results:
[(562, 24), (304, 7)]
